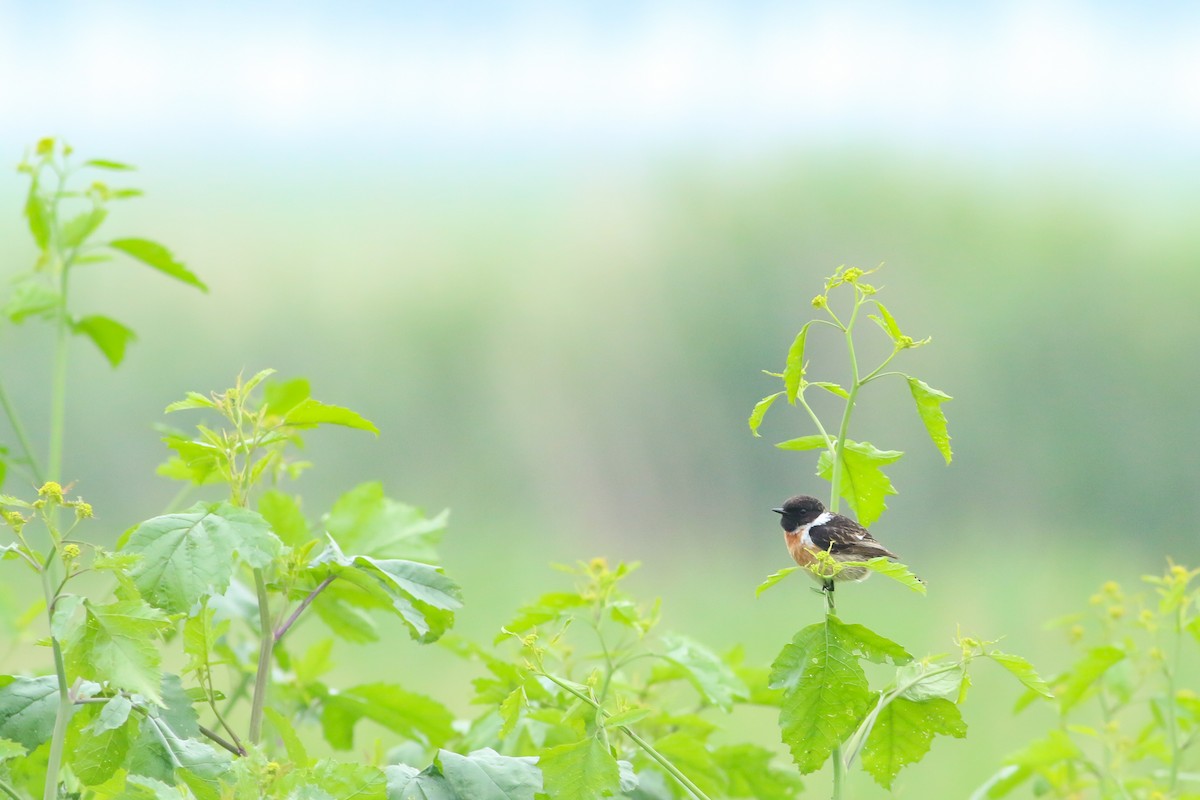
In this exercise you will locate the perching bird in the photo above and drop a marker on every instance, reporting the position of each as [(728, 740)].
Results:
[(808, 529)]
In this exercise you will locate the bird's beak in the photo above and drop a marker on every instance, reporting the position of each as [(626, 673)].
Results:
[(777, 510)]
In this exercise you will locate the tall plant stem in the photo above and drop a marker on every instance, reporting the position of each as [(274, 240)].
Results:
[(266, 645), (63, 715), (839, 768), (839, 450)]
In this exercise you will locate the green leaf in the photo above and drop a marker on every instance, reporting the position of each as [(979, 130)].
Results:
[(1053, 749), (104, 163), (892, 569), (863, 484), (421, 594), (751, 773), (81, 227), (99, 750), (118, 643), (487, 775), (366, 522), (332, 780), (107, 334), (924, 680), (548, 608), (408, 714), (694, 760), (793, 373), (929, 406), (814, 442), (713, 679), (887, 322), (200, 635), (192, 400), (405, 783), (31, 298), (774, 578), (628, 717), (113, 714), (160, 751), (280, 397), (580, 771), (903, 732), (760, 411), (825, 691), (282, 512), (1022, 670), (192, 554), (863, 642), (510, 710), (311, 413), (10, 749), (155, 255), (295, 749), (39, 216), (1084, 675), (27, 709), (832, 388)]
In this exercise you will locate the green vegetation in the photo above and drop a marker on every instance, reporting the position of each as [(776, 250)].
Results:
[(203, 652)]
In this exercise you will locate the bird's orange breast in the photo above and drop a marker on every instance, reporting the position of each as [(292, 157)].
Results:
[(802, 553)]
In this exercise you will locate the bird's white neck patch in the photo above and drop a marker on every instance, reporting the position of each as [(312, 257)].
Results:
[(821, 519)]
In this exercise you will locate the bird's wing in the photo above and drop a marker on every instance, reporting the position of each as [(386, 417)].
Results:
[(843, 536)]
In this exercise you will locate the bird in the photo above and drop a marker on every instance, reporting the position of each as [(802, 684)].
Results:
[(808, 528)]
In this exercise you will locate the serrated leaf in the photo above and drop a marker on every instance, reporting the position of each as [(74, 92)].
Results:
[(98, 750), (82, 226), (107, 334), (406, 783), (487, 775), (825, 692), (118, 643), (547, 608), (793, 372), (760, 411), (580, 771), (711, 677), (366, 522), (1083, 676), (28, 707), (752, 773), (887, 322), (924, 681), (863, 642), (929, 406), (159, 751), (280, 397), (627, 717), (10, 749), (863, 484), (903, 732), (155, 255), (1022, 670), (891, 569), (408, 714), (773, 579), (192, 400), (510, 710), (814, 442), (113, 714), (192, 554), (282, 512), (311, 413)]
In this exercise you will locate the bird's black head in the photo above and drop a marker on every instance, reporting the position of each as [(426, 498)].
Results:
[(799, 510)]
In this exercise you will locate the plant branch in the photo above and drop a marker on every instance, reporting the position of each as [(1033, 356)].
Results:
[(646, 747), (218, 739), (262, 677), (305, 603)]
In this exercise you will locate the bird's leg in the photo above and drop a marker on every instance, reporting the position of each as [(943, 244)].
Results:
[(827, 589)]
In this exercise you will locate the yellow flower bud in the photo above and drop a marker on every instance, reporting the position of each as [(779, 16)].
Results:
[(52, 490)]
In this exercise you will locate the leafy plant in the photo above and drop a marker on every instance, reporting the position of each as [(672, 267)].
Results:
[(829, 712), (1128, 715)]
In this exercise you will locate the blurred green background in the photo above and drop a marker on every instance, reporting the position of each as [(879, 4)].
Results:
[(557, 312)]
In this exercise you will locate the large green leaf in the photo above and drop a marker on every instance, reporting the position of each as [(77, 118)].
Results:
[(98, 751), (282, 512), (27, 709), (422, 595), (711, 676), (929, 406), (903, 732), (366, 522), (192, 554), (760, 411), (487, 775), (581, 770), (310, 413), (155, 255), (1023, 671), (825, 692), (408, 714), (333, 780), (119, 643), (406, 783), (862, 482)]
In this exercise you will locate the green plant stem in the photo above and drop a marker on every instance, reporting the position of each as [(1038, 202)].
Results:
[(63, 714), (266, 645), (646, 747), (14, 420), (839, 769), (10, 791), (855, 384)]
